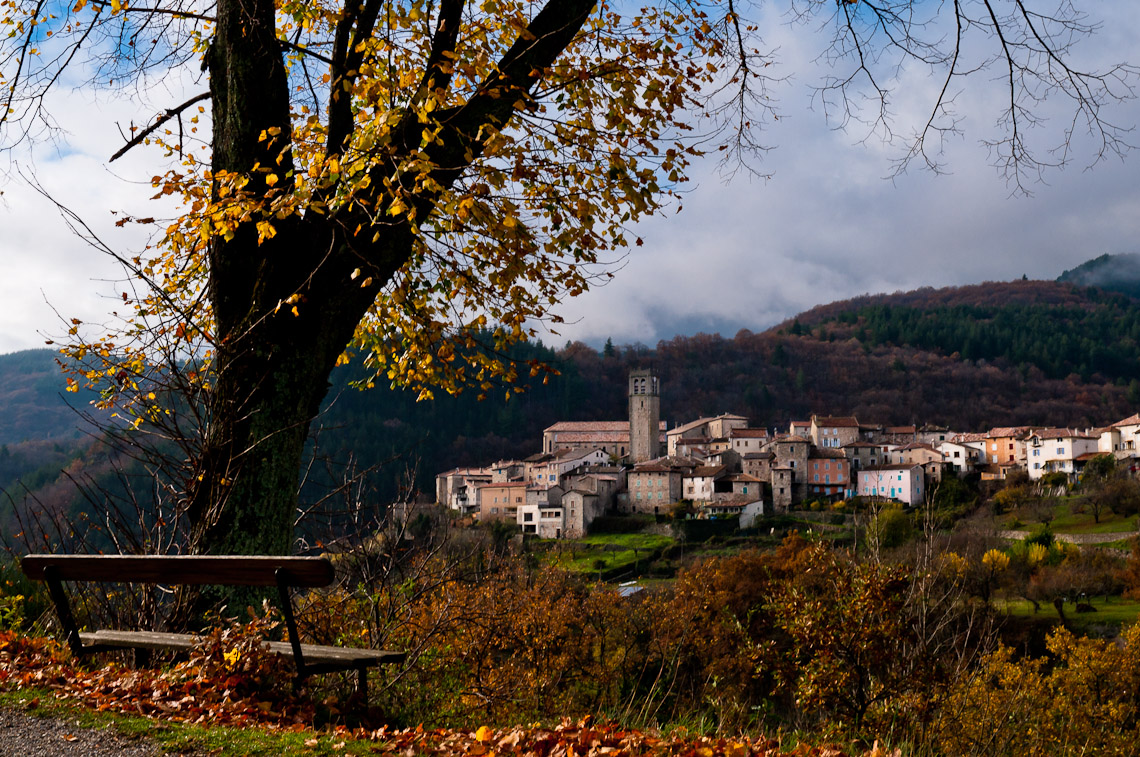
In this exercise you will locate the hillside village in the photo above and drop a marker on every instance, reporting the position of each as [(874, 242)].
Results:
[(723, 467)]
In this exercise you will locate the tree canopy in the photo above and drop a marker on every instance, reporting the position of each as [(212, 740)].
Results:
[(421, 182)]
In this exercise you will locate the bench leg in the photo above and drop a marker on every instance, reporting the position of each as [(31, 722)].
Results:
[(362, 683), (141, 657)]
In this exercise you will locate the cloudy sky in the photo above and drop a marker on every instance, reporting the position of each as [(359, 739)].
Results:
[(829, 224)]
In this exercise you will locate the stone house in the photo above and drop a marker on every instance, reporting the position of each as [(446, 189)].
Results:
[(864, 454), (758, 465), (707, 429), (827, 431), (700, 483), (507, 470), (548, 468), (783, 485), (456, 488), (746, 441), (579, 509), (792, 452), (654, 486), (745, 486)]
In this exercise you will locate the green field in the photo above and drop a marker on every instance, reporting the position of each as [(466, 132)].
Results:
[(1115, 611), (1066, 521), (604, 552)]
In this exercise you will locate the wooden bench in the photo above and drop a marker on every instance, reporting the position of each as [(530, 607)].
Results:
[(283, 572)]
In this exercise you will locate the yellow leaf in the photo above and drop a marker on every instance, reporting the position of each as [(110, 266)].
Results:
[(483, 734)]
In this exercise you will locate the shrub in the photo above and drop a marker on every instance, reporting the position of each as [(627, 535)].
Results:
[(1043, 536)]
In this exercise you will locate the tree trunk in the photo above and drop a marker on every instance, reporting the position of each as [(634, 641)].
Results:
[(285, 306)]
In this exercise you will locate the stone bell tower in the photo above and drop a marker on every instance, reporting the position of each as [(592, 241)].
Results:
[(644, 416)]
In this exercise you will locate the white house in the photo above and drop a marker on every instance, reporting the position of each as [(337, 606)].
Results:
[(1122, 439), (1057, 450), (903, 482), (961, 457)]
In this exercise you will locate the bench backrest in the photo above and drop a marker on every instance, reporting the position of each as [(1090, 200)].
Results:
[(223, 570)]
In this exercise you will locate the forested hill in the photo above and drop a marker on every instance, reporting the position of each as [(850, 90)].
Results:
[(1116, 273), (1025, 352)]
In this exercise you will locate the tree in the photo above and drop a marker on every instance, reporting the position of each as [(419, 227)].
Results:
[(1097, 470), (419, 182)]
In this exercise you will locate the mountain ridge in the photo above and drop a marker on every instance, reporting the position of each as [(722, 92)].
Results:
[(970, 358)]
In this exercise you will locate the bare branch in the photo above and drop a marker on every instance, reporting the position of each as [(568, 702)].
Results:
[(159, 121)]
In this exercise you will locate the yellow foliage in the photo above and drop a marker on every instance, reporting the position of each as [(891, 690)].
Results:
[(1082, 703), (547, 199), (995, 560)]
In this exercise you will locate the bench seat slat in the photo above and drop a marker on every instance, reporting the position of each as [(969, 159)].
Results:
[(225, 570), (313, 653)]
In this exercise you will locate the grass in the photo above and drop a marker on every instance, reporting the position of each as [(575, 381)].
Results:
[(1115, 611), (1066, 521), (222, 741), (610, 551), (629, 541)]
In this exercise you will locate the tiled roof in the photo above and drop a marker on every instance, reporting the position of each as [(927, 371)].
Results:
[(1059, 433), (706, 471), (792, 438), (824, 453), (965, 438), (748, 433), (566, 453), (666, 464), (1002, 432), (1132, 420), (589, 426), (900, 430), (896, 466), (466, 472), (837, 421), (686, 427)]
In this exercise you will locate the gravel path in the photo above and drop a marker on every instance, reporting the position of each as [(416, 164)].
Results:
[(30, 736)]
